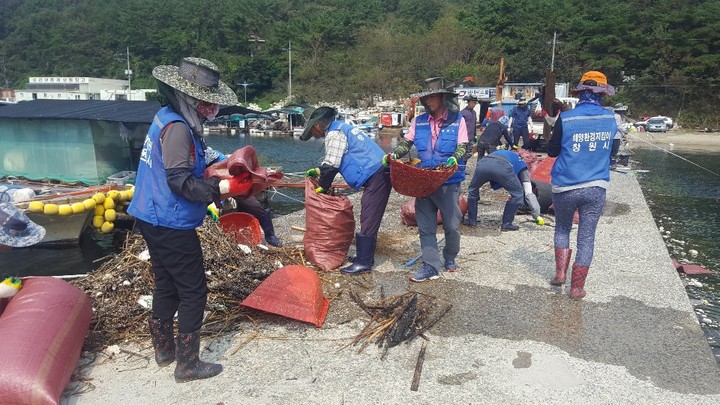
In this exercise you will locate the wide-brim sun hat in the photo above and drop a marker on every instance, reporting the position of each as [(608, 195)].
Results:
[(16, 229), (428, 92), (313, 116), (198, 78), (470, 97), (596, 82)]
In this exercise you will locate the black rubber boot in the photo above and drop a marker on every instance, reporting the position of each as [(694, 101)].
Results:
[(472, 209), (365, 246), (163, 339), (189, 367), (267, 226)]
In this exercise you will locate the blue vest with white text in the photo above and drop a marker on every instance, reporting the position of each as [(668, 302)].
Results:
[(445, 145), (153, 202), (363, 158), (587, 134)]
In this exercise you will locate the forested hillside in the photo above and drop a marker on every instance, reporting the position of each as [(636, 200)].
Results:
[(664, 55)]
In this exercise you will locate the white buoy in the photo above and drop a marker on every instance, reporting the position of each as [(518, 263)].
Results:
[(693, 252)]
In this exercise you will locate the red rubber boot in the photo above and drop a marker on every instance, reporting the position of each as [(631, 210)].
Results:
[(562, 261), (577, 281)]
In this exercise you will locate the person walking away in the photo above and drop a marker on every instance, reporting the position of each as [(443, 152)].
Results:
[(350, 152), (582, 142), (440, 137), (619, 111), (490, 138), (249, 204), (470, 117), (503, 169), (519, 122), (170, 201)]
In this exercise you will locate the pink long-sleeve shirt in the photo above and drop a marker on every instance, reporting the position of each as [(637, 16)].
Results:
[(435, 129)]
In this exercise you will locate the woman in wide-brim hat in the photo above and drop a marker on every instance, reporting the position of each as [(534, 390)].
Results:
[(170, 201), (16, 229)]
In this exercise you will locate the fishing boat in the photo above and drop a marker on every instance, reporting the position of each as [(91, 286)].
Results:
[(66, 151)]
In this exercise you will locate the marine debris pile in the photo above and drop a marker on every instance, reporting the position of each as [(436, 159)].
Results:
[(121, 289), (397, 319)]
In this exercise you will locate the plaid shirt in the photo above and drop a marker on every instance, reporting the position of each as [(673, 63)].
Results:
[(336, 145)]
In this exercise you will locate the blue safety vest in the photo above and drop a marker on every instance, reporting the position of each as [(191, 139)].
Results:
[(363, 158), (445, 145), (587, 134), (515, 160), (153, 202)]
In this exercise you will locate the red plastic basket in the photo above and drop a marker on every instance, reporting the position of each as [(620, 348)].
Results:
[(416, 182), (244, 227)]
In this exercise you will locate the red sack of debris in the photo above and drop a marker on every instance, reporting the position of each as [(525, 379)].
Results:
[(42, 331), (530, 158), (329, 227), (407, 211)]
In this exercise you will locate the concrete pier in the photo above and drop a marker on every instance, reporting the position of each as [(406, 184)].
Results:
[(509, 338)]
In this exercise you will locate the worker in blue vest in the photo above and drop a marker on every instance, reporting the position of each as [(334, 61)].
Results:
[(503, 169), (170, 201), (440, 137), (358, 158), (582, 141), (519, 121)]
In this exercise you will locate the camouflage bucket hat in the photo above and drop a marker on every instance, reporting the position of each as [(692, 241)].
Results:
[(198, 78), (16, 229)]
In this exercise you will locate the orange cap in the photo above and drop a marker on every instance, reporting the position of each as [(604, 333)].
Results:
[(599, 77)]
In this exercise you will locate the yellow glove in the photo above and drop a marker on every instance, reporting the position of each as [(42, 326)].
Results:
[(314, 172), (451, 161), (515, 147), (540, 221), (9, 287), (319, 190), (213, 211)]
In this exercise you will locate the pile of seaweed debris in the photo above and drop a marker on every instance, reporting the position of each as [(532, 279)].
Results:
[(121, 289), (397, 319)]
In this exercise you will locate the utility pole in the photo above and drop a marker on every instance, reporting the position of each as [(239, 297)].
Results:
[(289, 71), (128, 72), (245, 85), (552, 61)]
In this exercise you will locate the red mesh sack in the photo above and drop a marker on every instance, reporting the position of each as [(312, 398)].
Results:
[(42, 329), (413, 181), (329, 227), (407, 211), (530, 158)]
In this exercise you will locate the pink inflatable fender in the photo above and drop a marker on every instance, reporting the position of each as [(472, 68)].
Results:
[(42, 331)]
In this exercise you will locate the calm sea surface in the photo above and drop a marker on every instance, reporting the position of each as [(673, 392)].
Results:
[(683, 198)]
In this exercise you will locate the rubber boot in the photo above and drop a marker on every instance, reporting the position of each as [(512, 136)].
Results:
[(163, 339), (267, 226), (365, 246), (189, 367), (577, 281), (472, 210), (562, 261)]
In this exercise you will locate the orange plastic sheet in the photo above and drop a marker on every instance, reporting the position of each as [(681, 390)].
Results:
[(244, 160)]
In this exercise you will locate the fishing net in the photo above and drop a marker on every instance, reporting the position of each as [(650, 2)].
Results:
[(413, 181)]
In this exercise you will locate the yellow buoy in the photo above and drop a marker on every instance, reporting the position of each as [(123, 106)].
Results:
[(123, 195), (107, 227), (77, 208), (65, 209), (99, 198), (113, 194), (98, 221), (130, 193), (99, 210), (36, 206), (110, 214), (109, 203), (50, 209), (89, 203)]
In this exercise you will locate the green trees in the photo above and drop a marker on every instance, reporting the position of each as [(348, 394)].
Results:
[(664, 56)]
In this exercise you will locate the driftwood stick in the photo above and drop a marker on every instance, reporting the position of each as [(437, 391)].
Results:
[(418, 368), (297, 228)]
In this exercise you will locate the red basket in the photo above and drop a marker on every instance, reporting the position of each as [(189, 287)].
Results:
[(244, 227), (416, 182)]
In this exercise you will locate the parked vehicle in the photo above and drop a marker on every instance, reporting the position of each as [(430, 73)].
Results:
[(668, 120), (656, 124)]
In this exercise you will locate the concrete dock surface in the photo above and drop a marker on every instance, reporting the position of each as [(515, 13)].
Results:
[(509, 338)]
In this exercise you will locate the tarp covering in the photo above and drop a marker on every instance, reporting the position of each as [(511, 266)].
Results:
[(139, 112)]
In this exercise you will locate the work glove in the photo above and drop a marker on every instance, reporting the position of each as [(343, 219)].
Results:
[(451, 161), (9, 287), (213, 211), (540, 221), (387, 158), (314, 172), (501, 147), (515, 147), (319, 190), (235, 186)]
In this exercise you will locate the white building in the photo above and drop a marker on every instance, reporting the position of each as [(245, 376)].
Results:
[(78, 88)]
